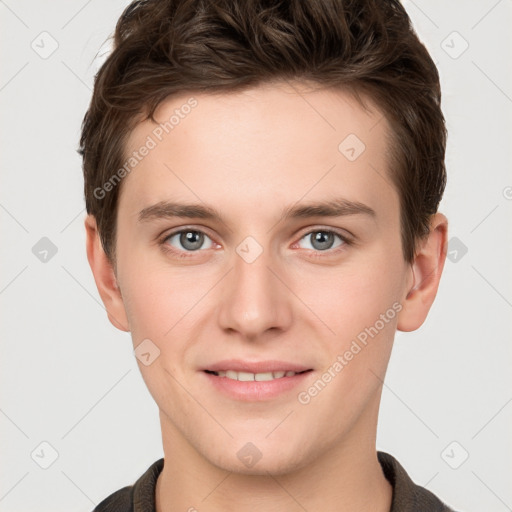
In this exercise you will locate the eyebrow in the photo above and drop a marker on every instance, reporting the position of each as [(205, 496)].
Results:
[(337, 207)]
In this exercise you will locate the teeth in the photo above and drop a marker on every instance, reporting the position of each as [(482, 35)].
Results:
[(247, 376)]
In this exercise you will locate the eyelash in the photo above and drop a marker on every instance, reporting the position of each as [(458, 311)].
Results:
[(316, 254)]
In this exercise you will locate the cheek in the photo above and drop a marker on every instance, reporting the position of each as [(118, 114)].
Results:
[(157, 304), (354, 296), (148, 305), (362, 309), (359, 303), (157, 297)]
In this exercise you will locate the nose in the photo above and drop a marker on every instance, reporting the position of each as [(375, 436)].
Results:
[(255, 299)]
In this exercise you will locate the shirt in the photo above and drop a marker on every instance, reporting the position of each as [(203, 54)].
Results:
[(407, 496)]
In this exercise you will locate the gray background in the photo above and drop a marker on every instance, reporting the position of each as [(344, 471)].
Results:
[(69, 378)]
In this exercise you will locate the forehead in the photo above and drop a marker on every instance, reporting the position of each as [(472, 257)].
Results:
[(286, 139)]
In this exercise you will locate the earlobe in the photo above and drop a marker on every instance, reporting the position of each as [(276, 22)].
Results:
[(104, 277), (426, 269)]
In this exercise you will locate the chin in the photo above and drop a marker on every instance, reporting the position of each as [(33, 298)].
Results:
[(258, 458)]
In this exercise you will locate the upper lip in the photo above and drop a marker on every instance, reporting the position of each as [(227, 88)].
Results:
[(239, 365)]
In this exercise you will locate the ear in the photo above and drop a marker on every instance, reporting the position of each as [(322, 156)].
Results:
[(104, 277), (426, 269)]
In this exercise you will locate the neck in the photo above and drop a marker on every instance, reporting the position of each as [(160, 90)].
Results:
[(347, 477)]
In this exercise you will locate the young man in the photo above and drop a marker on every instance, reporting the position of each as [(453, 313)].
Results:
[(262, 182)]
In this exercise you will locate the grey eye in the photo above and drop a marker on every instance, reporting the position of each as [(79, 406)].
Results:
[(322, 240), (190, 240)]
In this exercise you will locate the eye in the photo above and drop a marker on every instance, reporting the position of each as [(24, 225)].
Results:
[(187, 241), (323, 240), (190, 240)]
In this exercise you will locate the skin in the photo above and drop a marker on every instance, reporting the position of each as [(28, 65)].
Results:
[(250, 155)]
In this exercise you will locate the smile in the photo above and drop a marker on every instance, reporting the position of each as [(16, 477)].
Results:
[(266, 381), (248, 376)]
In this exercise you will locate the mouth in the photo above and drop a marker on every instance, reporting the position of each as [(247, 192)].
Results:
[(250, 381), (258, 377)]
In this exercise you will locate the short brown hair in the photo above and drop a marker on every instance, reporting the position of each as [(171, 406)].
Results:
[(165, 47)]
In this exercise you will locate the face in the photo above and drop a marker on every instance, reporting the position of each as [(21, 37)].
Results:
[(259, 237)]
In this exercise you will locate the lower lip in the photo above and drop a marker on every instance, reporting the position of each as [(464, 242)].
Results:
[(255, 390)]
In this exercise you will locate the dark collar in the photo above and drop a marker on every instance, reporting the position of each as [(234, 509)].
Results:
[(407, 496)]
